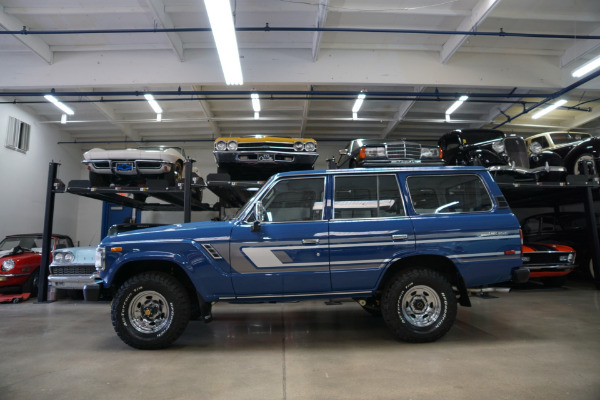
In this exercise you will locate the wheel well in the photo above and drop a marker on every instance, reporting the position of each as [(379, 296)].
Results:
[(136, 267), (436, 263)]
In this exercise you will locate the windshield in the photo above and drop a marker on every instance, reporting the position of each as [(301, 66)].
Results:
[(26, 242), (568, 137)]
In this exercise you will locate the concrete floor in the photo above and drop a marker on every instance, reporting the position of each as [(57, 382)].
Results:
[(532, 343)]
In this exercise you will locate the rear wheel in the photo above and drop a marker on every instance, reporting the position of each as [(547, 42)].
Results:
[(419, 305), (150, 310)]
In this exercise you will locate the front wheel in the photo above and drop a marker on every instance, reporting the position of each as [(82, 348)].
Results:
[(584, 165), (150, 310), (419, 305)]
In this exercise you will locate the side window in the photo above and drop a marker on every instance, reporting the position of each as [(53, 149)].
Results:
[(295, 200), (442, 194), (369, 196)]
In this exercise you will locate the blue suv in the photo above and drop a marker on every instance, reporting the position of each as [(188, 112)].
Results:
[(405, 243)]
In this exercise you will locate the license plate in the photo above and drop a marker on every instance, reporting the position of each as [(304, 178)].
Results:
[(265, 157), (124, 167)]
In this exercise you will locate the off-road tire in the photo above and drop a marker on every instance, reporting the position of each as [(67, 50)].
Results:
[(419, 305), (158, 297)]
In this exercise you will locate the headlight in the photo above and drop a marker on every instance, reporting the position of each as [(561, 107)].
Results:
[(498, 146), (298, 146), (69, 257), (221, 145), (430, 152), (535, 148), (567, 258), (375, 152), (99, 258), (232, 145), (310, 146), (59, 256), (7, 265)]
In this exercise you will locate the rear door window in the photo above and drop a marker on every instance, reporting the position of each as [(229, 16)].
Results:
[(446, 194), (371, 196)]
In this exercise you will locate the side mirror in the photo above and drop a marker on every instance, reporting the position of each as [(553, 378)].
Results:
[(259, 215)]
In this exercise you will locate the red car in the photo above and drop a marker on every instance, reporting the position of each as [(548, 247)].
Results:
[(20, 257), (551, 263)]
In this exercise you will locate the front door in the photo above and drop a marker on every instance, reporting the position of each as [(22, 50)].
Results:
[(289, 254)]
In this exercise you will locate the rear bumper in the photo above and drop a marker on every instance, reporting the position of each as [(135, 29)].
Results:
[(520, 275)]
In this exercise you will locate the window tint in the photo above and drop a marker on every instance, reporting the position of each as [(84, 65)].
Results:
[(367, 197), (444, 194), (295, 200)]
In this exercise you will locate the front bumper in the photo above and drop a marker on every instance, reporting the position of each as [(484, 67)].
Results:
[(129, 167), (265, 157), (527, 171), (71, 281), (399, 163)]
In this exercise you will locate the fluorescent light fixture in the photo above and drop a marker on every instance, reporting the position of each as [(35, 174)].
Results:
[(158, 117), (354, 116), (358, 103), (155, 106), (221, 23), (546, 110), (586, 68), (256, 115), (255, 102), (448, 118), (58, 104), (63, 119), (456, 104)]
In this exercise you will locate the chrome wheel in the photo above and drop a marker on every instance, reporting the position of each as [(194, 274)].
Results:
[(149, 312), (421, 306)]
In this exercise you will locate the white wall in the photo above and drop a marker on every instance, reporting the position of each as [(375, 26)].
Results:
[(24, 177)]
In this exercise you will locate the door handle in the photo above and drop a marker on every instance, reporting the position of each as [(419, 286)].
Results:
[(399, 237), (310, 241)]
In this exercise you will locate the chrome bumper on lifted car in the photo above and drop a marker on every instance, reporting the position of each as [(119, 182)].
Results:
[(528, 171), (235, 157), (129, 167)]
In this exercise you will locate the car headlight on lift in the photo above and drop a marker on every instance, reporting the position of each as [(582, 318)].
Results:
[(374, 152), (298, 146), (232, 145), (568, 258), (221, 145), (7, 265), (430, 152), (310, 146), (535, 148), (498, 146)]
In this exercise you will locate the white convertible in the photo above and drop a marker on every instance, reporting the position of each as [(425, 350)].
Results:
[(133, 165)]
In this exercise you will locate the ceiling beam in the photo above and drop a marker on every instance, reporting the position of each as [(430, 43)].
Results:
[(470, 23), (584, 118), (499, 110), (113, 118), (164, 20), (210, 116), (403, 109), (318, 36), (34, 43)]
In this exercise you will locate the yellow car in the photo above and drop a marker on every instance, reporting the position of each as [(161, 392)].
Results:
[(259, 157)]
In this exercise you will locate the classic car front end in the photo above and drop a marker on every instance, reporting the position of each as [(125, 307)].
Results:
[(501, 154), (367, 153), (125, 165), (73, 268), (550, 263), (259, 157)]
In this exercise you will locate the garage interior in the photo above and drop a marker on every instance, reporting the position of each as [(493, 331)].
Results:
[(308, 62)]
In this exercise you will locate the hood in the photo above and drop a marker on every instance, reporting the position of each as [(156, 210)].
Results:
[(206, 230), (130, 154)]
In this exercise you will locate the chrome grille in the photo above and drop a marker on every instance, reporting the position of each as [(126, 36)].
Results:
[(517, 151), (265, 146), (73, 270), (404, 151)]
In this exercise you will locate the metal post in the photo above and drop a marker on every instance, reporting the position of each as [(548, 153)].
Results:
[(187, 191), (593, 227), (47, 234)]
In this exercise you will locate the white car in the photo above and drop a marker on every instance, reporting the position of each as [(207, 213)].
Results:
[(134, 165)]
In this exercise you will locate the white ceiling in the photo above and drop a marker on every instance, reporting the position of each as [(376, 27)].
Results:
[(308, 78)]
